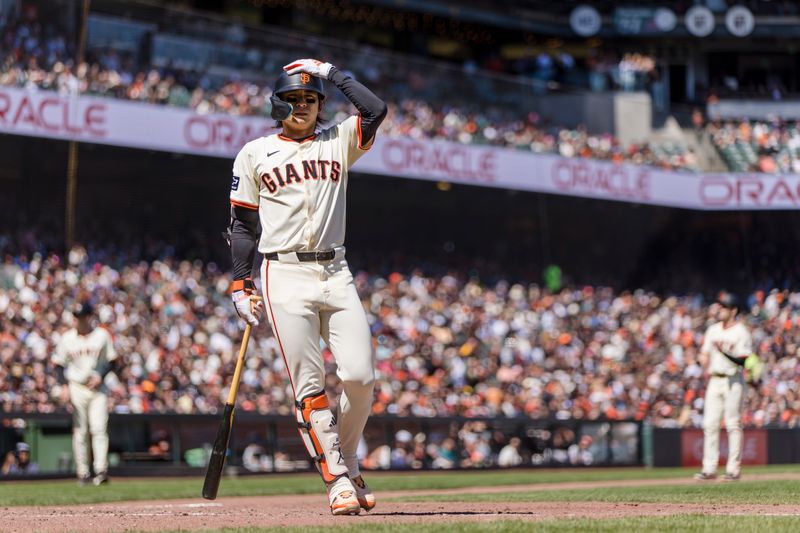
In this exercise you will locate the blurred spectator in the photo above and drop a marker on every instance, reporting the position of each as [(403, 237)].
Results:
[(400, 454), (378, 459), (444, 455), (160, 448), (256, 459), (18, 462), (509, 455), (581, 453)]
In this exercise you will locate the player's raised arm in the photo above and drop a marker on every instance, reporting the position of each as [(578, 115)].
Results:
[(372, 110)]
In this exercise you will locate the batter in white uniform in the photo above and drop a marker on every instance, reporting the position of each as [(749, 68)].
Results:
[(83, 357), (726, 345), (295, 184)]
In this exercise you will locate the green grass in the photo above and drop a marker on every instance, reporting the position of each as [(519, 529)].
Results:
[(64, 492), (757, 492), (667, 524)]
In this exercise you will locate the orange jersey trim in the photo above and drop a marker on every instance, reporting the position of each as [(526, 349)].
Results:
[(108, 330), (244, 204), (283, 137)]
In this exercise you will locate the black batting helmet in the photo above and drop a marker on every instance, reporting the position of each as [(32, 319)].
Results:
[(83, 309), (295, 82), (727, 299)]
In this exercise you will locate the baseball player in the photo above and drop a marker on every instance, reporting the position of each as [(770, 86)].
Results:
[(84, 356), (726, 345), (295, 183)]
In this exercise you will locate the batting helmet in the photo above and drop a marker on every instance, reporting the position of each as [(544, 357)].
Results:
[(295, 82), (83, 309), (727, 299)]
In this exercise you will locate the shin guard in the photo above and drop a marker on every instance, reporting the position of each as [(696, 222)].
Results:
[(320, 435)]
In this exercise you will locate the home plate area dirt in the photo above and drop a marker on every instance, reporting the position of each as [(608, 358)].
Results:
[(312, 510)]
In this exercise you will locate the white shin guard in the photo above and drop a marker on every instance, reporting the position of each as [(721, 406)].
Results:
[(320, 435)]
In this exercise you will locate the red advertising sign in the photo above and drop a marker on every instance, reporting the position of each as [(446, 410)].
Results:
[(754, 447)]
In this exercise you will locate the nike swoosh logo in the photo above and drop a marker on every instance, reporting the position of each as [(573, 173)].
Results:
[(270, 154)]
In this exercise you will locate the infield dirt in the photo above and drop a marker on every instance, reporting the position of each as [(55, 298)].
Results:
[(312, 510)]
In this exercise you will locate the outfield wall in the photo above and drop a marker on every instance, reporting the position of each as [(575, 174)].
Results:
[(268, 443), (761, 446)]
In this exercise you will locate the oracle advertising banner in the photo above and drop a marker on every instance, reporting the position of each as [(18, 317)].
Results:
[(520, 170), (754, 447), (123, 123), (138, 125)]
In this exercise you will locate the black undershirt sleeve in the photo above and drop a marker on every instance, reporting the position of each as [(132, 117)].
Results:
[(372, 109), (242, 234), (104, 368), (736, 360)]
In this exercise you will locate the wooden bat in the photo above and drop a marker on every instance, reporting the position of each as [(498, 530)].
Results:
[(217, 460)]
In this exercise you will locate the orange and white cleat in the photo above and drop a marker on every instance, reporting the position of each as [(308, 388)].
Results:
[(343, 498), (366, 499)]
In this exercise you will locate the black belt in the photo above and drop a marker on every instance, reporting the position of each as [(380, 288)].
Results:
[(722, 375), (322, 255)]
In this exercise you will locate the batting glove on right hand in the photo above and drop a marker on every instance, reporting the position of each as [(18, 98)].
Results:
[(311, 66), (248, 306)]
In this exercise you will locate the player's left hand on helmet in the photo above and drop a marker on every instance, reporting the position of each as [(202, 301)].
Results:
[(311, 66)]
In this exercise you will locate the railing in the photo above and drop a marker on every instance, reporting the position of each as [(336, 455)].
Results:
[(179, 444)]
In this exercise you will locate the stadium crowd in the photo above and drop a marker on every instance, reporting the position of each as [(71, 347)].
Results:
[(445, 344), (38, 57), (771, 147), (38, 54)]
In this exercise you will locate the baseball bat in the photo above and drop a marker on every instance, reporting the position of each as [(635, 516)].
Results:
[(219, 451)]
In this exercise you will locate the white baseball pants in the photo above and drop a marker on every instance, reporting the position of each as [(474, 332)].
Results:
[(723, 396), (89, 422), (306, 301)]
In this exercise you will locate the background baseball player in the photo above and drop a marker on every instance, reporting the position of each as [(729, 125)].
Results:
[(84, 356), (295, 183), (726, 345)]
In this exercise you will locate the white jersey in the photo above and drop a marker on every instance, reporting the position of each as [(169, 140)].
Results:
[(299, 188), (735, 340), (81, 355)]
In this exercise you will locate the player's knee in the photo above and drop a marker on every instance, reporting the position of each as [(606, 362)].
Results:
[(733, 424), (362, 377), (97, 429)]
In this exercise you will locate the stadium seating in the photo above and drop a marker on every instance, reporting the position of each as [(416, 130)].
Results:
[(755, 146), (204, 65), (474, 350)]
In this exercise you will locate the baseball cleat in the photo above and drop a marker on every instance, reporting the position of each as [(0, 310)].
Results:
[(702, 476), (366, 499), (345, 503), (343, 498), (100, 479), (84, 480), (731, 477)]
